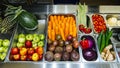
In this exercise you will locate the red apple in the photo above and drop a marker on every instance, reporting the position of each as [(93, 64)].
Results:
[(23, 51), (28, 44), (40, 57), (39, 50), (14, 51), (23, 57), (16, 57), (29, 57), (30, 51), (35, 57)]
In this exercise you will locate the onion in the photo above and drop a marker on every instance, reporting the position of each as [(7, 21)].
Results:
[(91, 41), (89, 55)]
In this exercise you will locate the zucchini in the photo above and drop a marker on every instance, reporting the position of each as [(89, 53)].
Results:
[(27, 20)]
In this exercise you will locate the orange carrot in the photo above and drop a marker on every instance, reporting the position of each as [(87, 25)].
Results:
[(49, 34), (62, 34), (53, 35)]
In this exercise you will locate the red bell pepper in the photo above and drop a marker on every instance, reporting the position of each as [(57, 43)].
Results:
[(84, 43)]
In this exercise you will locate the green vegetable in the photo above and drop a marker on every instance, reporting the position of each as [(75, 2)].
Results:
[(82, 10), (15, 15), (108, 37), (103, 39), (102, 43), (27, 20), (100, 39)]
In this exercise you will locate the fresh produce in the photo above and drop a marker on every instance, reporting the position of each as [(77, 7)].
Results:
[(23, 51), (29, 47), (35, 57), (23, 57), (28, 44), (60, 50), (87, 43), (66, 56), (98, 23), (108, 54), (5, 42), (105, 46), (4, 45), (75, 44), (74, 55), (68, 24), (84, 29), (104, 39), (49, 56), (89, 50), (30, 51), (29, 37), (62, 37), (84, 25), (16, 57), (57, 56), (69, 48), (15, 15), (113, 20), (82, 10), (90, 55), (21, 38)]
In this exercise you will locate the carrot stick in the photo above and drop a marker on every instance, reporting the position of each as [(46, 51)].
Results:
[(62, 34), (49, 34), (53, 35)]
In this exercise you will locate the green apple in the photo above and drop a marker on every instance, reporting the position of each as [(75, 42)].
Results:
[(41, 43), (21, 35), (2, 56), (1, 42), (1, 49), (21, 40), (34, 35), (20, 44), (6, 42), (42, 36), (29, 37), (34, 44), (5, 49), (36, 39)]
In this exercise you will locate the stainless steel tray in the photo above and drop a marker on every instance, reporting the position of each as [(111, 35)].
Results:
[(40, 30), (95, 48), (9, 35), (78, 50), (101, 59)]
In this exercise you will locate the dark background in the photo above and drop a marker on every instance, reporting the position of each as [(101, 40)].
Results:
[(88, 2)]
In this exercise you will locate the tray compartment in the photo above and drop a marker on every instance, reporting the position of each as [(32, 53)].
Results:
[(40, 30), (72, 19)]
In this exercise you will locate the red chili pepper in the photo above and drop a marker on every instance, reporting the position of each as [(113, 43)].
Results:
[(84, 44)]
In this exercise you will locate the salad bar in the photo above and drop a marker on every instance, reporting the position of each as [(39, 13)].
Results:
[(72, 38)]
